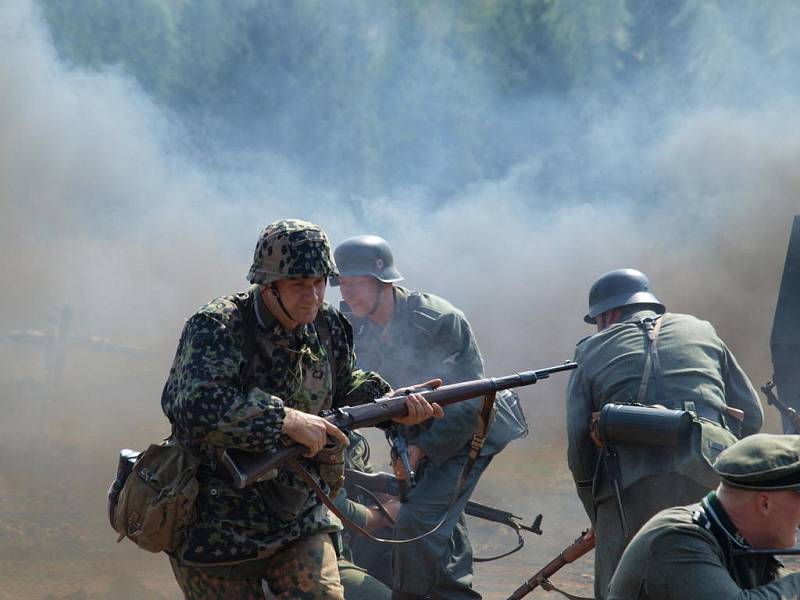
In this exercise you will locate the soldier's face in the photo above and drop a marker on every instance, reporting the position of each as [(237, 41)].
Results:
[(784, 518), (360, 293), (302, 297)]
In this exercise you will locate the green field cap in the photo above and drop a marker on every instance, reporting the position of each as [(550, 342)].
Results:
[(763, 461)]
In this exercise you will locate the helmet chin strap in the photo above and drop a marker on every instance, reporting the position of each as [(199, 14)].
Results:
[(376, 302), (275, 294)]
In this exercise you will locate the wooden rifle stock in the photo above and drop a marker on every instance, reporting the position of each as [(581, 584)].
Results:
[(248, 467), (571, 553)]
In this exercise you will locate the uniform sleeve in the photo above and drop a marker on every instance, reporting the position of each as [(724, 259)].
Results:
[(353, 386), (739, 393), (454, 357), (684, 566), (582, 454), (204, 397), (352, 510)]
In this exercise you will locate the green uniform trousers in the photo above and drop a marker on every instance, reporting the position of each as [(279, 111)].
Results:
[(304, 570), (360, 585), (438, 566)]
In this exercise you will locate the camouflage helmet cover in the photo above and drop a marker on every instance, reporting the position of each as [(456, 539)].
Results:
[(291, 248), (366, 255), (621, 287)]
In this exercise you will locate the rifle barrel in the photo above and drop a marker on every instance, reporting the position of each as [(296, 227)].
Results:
[(248, 467)]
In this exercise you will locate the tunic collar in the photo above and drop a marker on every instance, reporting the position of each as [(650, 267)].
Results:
[(714, 510)]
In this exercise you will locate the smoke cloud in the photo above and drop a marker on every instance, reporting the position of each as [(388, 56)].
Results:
[(105, 208)]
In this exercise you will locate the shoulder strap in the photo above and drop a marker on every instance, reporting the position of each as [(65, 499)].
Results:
[(651, 327), (324, 334), (249, 335), (249, 339)]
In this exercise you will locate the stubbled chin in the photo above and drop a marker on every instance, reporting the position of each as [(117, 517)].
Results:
[(307, 316)]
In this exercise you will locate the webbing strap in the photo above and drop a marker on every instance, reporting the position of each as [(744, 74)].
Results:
[(651, 327), (249, 320)]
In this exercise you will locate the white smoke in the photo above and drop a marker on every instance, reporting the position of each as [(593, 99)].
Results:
[(102, 209)]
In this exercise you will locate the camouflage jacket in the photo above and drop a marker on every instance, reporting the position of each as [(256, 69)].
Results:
[(427, 338), (215, 400), (696, 366)]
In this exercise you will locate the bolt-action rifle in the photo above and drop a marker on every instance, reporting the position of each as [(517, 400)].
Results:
[(789, 414), (248, 467), (399, 446), (384, 483), (571, 553)]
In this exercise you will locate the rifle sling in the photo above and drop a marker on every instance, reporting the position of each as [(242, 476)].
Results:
[(482, 429), (378, 504), (326, 500), (507, 522)]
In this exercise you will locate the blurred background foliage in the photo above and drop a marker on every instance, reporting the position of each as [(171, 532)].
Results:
[(344, 88)]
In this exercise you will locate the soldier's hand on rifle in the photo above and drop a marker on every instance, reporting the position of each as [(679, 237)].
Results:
[(419, 409), (415, 454), (311, 430)]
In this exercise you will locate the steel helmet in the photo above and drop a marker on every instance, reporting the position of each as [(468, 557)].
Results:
[(620, 288), (366, 255), (289, 249)]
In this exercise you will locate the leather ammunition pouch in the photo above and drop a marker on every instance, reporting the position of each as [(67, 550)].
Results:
[(152, 499), (331, 466), (642, 425)]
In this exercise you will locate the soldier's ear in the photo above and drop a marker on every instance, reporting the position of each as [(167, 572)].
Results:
[(763, 503)]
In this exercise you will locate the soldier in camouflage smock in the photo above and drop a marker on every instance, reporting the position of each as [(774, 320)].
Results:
[(691, 368), (250, 368), (409, 336)]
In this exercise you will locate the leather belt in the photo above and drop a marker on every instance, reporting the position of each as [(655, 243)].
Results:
[(704, 411)]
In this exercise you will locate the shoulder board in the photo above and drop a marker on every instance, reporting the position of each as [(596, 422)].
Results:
[(425, 319), (583, 339)]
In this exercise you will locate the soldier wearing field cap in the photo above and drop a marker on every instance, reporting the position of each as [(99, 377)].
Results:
[(723, 548)]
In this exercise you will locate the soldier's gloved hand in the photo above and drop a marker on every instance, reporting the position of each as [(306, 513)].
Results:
[(419, 409), (311, 430)]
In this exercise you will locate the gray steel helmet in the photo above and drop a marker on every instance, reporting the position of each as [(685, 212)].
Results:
[(289, 249), (620, 288), (366, 255)]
